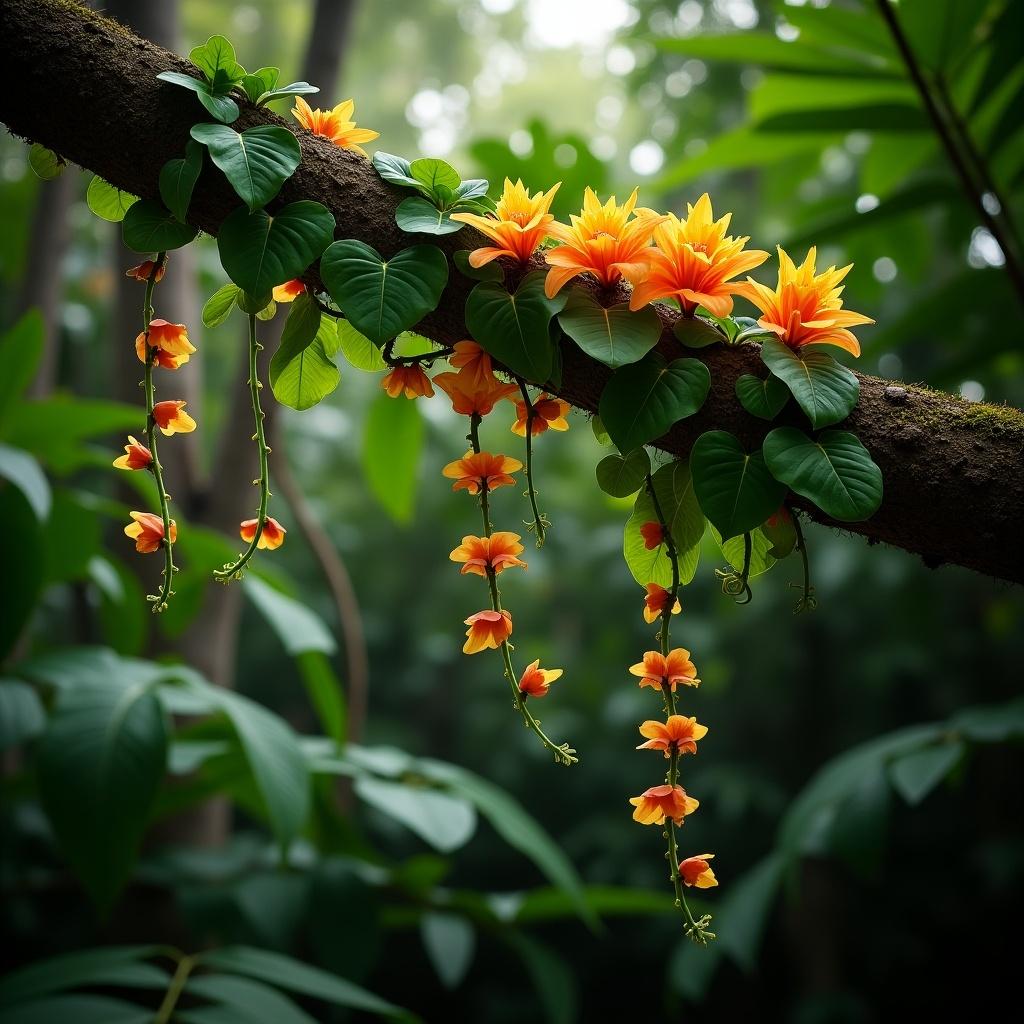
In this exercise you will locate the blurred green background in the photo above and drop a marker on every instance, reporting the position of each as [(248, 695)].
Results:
[(873, 899)]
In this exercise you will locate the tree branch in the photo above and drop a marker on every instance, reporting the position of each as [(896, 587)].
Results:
[(87, 88)]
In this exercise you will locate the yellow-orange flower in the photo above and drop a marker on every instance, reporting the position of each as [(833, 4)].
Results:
[(410, 379), (487, 629), (657, 598), (470, 359), (136, 456), (478, 469), (805, 309), (169, 342), (652, 534), (518, 226), (289, 291), (171, 418), (694, 260), (657, 670), (696, 871), (142, 271), (602, 241), (495, 553), (148, 532), (549, 414), (656, 804), (535, 681), (678, 734), (470, 398), (272, 536), (335, 124)]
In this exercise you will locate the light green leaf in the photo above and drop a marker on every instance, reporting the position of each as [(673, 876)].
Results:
[(44, 162), (826, 390), (257, 83), (761, 557), (23, 471), (148, 227), (218, 306), (395, 170), (612, 335), (286, 91), (21, 348), (216, 59), (358, 349), (297, 627), (107, 201), (417, 215), (445, 821), (302, 378), (178, 178), (392, 442), (431, 173), (450, 941), (620, 476)]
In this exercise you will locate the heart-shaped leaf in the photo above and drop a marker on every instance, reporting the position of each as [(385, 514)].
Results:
[(620, 476), (834, 471), (45, 163), (431, 174), (420, 216), (149, 227), (301, 372), (395, 170), (108, 201), (825, 389), (260, 251), (257, 162), (613, 336), (382, 297), (216, 59), (224, 108), (514, 327), (641, 401), (734, 487), (696, 332), (178, 178), (762, 398), (218, 306)]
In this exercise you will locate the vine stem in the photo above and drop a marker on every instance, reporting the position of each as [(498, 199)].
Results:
[(563, 752), (174, 990), (159, 600), (389, 357), (807, 602), (234, 569), (531, 415), (670, 549)]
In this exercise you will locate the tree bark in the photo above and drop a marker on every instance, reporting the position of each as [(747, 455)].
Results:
[(954, 489)]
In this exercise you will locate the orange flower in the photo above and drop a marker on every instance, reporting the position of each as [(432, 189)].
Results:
[(335, 124), (679, 734), (652, 534), (136, 456), (549, 414), (171, 418), (272, 536), (494, 553), (487, 629), (656, 804), (479, 469), (141, 271), (602, 241), (468, 397), (170, 342), (289, 291), (694, 261), (657, 670), (148, 532), (534, 682), (696, 871), (657, 597), (519, 224), (805, 309), (470, 359), (411, 379)]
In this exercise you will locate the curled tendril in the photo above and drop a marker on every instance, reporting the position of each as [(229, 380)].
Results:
[(734, 584), (698, 933)]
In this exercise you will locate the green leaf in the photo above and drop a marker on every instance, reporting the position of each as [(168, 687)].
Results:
[(734, 488), (761, 556), (674, 489), (622, 476), (600, 434), (392, 442), (325, 693), (395, 170), (780, 533), (293, 89), (444, 821), (254, 305), (696, 332), (514, 328), (148, 227), (762, 398), (915, 775), (358, 349), (450, 941), (21, 348), (295, 976), (301, 372), (216, 59), (247, 1000), (260, 251), (381, 297), (646, 566), (218, 306), (100, 765), (826, 390), (23, 471), (108, 202), (224, 108), (834, 471), (80, 1008), (297, 627), (612, 335), (45, 163), (430, 173), (21, 718), (417, 215), (551, 977), (256, 162), (258, 82), (178, 178), (488, 272), (23, 557), (642, 401)]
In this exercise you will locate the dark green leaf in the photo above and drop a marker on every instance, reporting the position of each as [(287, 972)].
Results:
[(254, 305), (108, 202), (21, 348), (825, 389), (734, 488), (450, 942), (643, 400), (834, 471), (218, 306), (21, 718), (488, 272), (392, 442), (551, 977), (224, 108), (622, 476), (297, 627), (762, 398), (696, 332), (178, 178), (915, 775), (20, 469), (23, 557), (441, 819), (251, 1000), (80, 1008), (417, 215), (148, 227), (44, 162), (612, 335)]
